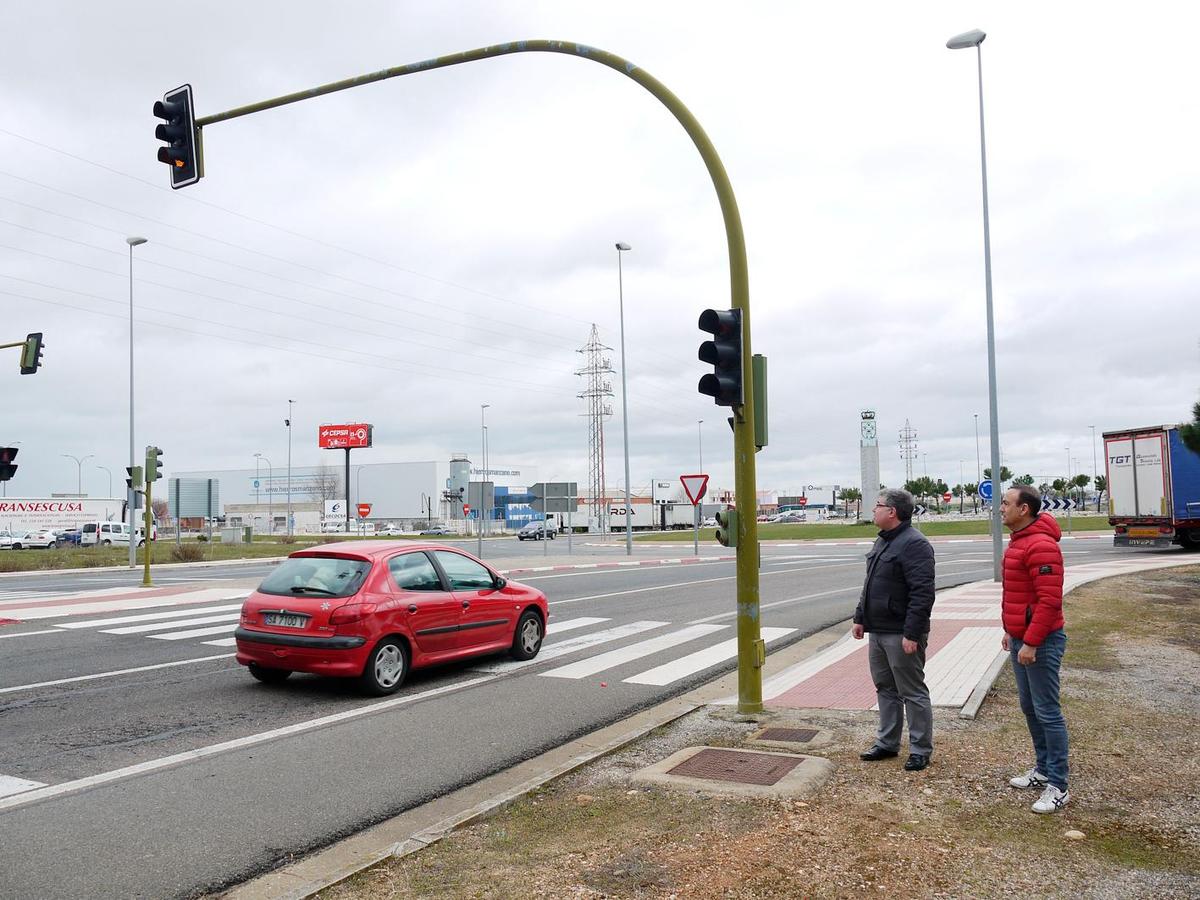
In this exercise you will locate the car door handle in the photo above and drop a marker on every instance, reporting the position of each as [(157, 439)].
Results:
[(466, 604), (412, 607)]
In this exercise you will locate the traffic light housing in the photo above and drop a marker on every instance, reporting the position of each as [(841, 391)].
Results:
[(727, 527), (153, 464), (178, 129), (134, 479), (31, 353), (7, 467), (724, 354)]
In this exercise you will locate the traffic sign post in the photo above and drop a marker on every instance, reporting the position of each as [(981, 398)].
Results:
[(364, 510), (985, 490), (695, 486)]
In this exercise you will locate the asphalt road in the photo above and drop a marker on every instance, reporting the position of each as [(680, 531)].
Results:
[(186, 775)]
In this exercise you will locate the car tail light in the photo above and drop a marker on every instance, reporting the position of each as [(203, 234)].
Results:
[(1165, 529), (351, 612), (1120, 529)]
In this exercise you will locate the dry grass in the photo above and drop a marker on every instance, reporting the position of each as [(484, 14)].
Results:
[(1131, 692)]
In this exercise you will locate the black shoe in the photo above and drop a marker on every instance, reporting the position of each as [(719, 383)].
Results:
[(916, 762), (877, 753)]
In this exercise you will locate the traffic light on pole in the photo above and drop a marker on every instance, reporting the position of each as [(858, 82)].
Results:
[(727, 527), (134, 479), (153, 464), (31, 353), (724, 353), (179, 131), (7, 467)]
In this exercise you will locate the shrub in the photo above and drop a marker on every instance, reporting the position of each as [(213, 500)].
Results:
[(287, 539), (202, 537), (187, 553)]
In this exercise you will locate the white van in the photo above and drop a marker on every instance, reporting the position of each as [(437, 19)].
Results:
[(106, 533)]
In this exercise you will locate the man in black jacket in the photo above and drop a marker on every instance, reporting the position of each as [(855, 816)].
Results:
[(896, 602)]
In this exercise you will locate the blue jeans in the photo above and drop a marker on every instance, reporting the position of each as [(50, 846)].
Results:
[(1037, 685)]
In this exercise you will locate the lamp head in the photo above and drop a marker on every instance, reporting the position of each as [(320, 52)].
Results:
[(621, 245), (967, 39), (134, 241)]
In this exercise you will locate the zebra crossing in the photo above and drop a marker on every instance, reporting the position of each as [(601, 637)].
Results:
[(609, 642)]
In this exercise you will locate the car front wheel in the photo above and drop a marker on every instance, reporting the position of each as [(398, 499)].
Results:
[(527, 640), (269, 676), (385, 669)]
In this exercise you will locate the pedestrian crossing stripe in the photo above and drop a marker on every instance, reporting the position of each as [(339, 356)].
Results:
[(700, 660), (206, 595), (622, 655)]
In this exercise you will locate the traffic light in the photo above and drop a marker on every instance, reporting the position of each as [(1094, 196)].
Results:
[(7, 467), (727, 527), (31, 353), (153, 464), (724, 353), (179, 131), (134, 481)]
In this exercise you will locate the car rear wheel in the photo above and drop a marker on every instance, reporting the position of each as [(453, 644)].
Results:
[(16, 546), (386, 667), (269, 676), (527, 640)]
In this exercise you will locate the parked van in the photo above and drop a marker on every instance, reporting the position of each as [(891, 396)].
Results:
[(107, 533)]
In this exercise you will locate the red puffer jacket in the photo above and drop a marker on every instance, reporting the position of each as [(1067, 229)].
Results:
[(1033, 581)]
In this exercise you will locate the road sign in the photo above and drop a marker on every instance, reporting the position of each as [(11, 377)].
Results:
[(802, 501), (466, 509), (985, 489), (695, 486), (1053, 503), (333, 437), (555, 497), (948, 496), (919, 510), (364, 510)]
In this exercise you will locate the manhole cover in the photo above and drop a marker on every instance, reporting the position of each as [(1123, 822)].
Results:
[(733, 765), (790, 735)]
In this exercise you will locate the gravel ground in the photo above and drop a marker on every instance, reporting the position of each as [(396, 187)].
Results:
[(1131, 694)]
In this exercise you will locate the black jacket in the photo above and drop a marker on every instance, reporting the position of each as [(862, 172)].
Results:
[(897, 596)]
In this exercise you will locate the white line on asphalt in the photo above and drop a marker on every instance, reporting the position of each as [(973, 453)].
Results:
[(700, 660), (195, 632), (223, 642), (609, 569), (72, 595), (762, 606), (562, 648), (181, 662), (10, 784), (173, 623), (28, 633), (572, 624), (146, 617), (153, 765), (622, 655), (103, 606)]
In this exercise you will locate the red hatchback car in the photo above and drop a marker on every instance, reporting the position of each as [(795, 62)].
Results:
[(372, 610)]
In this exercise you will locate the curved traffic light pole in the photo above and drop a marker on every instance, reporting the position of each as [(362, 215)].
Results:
[(751, 651)]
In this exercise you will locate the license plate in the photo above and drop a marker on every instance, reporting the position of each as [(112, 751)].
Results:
[(1144, 532), (286, 620)]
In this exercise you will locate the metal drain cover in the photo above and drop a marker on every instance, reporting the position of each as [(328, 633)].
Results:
[(789, 735), (736, 766)]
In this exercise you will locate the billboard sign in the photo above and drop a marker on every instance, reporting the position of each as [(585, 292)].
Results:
[(336, 437)]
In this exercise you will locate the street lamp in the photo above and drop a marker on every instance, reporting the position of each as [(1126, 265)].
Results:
[(1095, 472), (962, 42), (132, 492), (483, 456), (109, 472), (79, 473), (288, 423), (270, 481), (621, 248)]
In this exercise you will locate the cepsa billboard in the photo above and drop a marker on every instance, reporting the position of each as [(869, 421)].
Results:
[(334, 437)]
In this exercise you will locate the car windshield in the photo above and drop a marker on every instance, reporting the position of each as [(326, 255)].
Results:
[(320, 575)]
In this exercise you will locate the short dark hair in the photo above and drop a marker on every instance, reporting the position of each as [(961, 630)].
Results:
[(901, 501), (1027, 496)]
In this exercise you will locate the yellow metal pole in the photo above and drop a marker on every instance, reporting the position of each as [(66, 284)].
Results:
[(146, 547)]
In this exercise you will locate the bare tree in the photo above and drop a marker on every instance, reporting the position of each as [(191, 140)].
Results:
[(326, 484)]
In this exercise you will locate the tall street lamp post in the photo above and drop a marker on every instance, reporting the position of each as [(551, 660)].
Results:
[(132, 492), (270, 481), (288, 423), (79, 461), (962, 42), (1095, 471), (622, 248), (108, 471)]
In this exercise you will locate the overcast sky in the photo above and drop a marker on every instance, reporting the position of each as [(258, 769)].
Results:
[(404, 252)]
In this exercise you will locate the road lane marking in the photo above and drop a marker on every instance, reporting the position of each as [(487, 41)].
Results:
[(28, 633), (562, 648), (153, 765), (223, 642), (181, 662), (196, 632), (593, 664), (10, 784), (700, 660), (572, 624), (609, 569), (146, 617), (175, 623), (101, 606)]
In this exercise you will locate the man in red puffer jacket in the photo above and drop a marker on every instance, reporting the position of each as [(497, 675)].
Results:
[(1034, 636)]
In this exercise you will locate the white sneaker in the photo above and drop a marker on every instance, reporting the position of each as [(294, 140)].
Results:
[(1032, 778), (1052, 800)]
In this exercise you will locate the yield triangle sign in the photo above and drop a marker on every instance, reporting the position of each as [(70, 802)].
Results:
[(695, 486)]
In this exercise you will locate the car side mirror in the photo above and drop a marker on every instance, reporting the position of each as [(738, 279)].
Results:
[(499, 583)]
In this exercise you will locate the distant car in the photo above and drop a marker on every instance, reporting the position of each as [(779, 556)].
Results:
[(790, 518), (6, 540), (437, 529), (710, 522), (373, 610), (68, 537), (31, 539), (536, 531), (390, 531)]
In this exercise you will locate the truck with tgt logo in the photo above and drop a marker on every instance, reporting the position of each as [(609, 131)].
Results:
[(1153, 488)]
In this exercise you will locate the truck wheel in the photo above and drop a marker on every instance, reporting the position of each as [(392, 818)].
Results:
[(1190, 540)]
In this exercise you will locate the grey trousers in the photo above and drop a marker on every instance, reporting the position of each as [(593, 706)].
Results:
[(900, 686)]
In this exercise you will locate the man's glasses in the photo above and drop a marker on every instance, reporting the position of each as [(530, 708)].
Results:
[(882, 506)]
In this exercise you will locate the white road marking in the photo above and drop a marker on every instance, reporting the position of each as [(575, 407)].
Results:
[(53, 595), (700, 660), (42, 684), (572, 624), (10, 784), (153, 765), (223, 642), (146, 617), (195, 632), (562, 648), (103, 606), (621, 655), (176, 623), (28, 633)]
